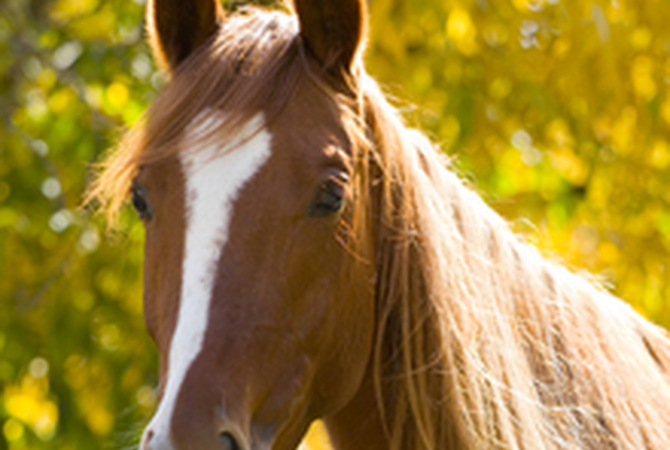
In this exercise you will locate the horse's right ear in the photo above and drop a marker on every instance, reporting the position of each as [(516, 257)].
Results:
[(177, 27)]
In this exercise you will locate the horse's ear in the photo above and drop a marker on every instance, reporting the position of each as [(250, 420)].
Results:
[(334, 31), (177, 27)]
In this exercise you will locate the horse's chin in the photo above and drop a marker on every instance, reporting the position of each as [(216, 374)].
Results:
[(286, 437)]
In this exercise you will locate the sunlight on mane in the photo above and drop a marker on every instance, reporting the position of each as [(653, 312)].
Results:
[(518, 351)]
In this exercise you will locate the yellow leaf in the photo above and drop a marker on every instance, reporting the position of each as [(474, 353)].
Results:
[(13, 430), (642, 77), (462, 32), (64, 10), (660, 154), (61, 100), (500, 88), (99, 419), (117, 96), (609, 253), (316, 438), (98, 26), (641, 38)]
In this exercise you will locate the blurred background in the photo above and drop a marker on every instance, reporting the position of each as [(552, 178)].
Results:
[(557, 111)]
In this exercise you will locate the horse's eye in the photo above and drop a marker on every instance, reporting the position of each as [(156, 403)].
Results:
[(141, 204), (330, 199)]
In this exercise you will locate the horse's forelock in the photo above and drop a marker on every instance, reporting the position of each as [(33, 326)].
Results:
[(251, 65)]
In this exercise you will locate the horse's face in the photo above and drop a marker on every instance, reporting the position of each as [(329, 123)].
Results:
[(260, 326)]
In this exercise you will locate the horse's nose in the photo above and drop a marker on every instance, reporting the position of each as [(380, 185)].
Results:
[(225, 440)]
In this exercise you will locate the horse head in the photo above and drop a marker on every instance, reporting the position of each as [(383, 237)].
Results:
[(258, 275), (310, 257)]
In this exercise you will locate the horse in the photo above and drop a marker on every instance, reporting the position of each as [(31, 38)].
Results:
[(308, 256)]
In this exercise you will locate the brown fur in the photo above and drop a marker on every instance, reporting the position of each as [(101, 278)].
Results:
[(479, 342), (176, 29), (334, 32)]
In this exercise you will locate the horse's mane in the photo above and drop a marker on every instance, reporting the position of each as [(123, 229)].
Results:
[(481, 342), (488, 344)]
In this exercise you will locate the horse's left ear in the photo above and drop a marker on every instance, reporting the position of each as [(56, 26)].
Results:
[(177, 27), (334, 31)]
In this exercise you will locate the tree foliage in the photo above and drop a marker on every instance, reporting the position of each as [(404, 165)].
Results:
[(557, 110)]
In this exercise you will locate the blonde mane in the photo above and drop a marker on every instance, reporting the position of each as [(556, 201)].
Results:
[(487, 344), (481, 342)]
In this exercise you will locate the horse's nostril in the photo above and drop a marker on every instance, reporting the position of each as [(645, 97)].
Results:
[(228, 441), (147, 440)]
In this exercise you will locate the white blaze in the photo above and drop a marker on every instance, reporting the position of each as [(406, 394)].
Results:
[(214, 176)]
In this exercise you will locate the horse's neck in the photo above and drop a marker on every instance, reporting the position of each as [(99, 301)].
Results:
[(358, 426)]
